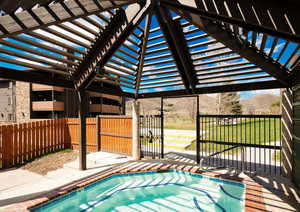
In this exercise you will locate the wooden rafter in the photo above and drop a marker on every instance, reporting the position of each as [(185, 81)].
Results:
[(217, 89), (36, 76), (266, 16), (50, 15), (143, 50), (178, 46), (251, 54), (108, 42)]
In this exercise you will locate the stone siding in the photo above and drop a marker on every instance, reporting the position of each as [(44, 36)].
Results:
[(7, 104), (23, 106)]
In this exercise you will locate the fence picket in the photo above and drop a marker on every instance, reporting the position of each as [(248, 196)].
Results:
[(15, 144), (23, 142)]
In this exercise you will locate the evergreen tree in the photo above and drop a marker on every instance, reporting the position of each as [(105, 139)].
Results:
[(229, 103)]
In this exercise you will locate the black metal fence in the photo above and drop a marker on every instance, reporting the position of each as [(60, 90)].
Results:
[(151, 134), (245, 142)]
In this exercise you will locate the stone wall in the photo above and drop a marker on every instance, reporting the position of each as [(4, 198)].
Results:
[(7, 103), (23, 106)]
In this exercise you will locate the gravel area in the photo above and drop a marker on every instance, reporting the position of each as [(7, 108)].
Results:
[(51, 162)]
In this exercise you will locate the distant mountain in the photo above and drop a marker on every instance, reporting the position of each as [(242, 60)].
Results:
[(259, 104), (178, 106), (207, 105)]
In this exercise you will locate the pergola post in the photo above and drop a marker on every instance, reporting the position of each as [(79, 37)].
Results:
[(291, 133), (82, 113), (162, 127), (287, 130), (136, 147), (198, 132), (296, 134)]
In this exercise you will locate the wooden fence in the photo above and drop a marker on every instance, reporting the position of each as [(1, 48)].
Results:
[(104, 133), (23, 142), (20, 143), (115, 134), (91, 134)]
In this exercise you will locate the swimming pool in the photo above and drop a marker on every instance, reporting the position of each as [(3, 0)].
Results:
[(153, 191)]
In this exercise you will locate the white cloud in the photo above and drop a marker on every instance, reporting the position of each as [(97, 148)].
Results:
[(188, 28), (275, 92), (278, 47), (159, 89), (214, 95)]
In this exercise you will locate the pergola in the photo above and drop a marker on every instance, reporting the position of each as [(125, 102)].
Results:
[(150, 48)]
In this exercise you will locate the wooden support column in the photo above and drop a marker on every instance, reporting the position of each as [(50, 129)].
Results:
[(198, 133), (136, 146), (287, 137), (291, 133), (82, 113), (296, 134), (162, 127)]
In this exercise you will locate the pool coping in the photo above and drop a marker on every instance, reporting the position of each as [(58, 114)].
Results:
[(253, 195)]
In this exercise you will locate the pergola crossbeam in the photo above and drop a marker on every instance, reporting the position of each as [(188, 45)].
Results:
[(251, 54), (36, 76), (143, 50), (272, 84), (269, 16), (112, 37), (53, 10), (175, 38)]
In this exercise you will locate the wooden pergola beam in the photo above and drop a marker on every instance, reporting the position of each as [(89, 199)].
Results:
[(10, 26), (178, 46), (108, 42), (245, 51), (272, 84), (266, 16), (39, 77), (143, 51)]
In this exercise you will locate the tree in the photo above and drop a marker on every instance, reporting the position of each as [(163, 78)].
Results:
[(275, 108), (229, 103), (167, 107)]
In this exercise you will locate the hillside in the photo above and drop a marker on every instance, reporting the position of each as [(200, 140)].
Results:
[(260, 103), (207, 105), (178, 106)]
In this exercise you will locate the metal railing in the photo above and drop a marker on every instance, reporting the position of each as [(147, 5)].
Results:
[(244, 142), (151, 136)]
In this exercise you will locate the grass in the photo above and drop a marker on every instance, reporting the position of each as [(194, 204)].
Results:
[(180, 123), (276, 156), (254, 131)]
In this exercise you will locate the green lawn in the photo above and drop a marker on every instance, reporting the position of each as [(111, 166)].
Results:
[(254, 131), (276, 156), (179, 123)]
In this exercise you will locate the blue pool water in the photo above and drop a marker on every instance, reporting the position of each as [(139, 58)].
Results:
[(153, 191)]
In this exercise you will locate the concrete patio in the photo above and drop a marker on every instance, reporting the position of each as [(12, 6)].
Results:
[(17, 184)]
